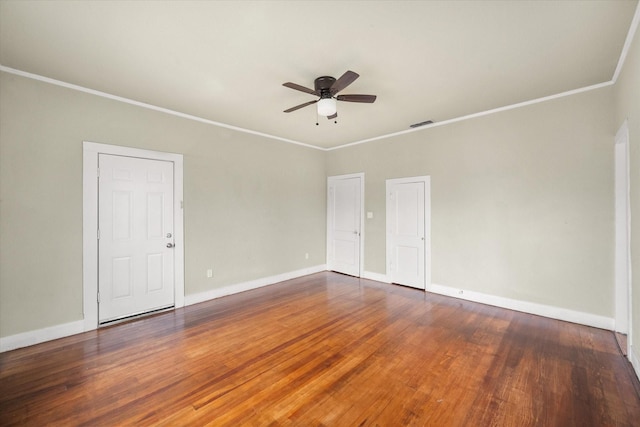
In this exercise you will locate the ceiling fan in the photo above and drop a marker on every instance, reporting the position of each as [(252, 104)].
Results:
[(326, 88)]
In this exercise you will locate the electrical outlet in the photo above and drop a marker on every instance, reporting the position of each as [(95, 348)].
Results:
[(306, 256), (209, 273)]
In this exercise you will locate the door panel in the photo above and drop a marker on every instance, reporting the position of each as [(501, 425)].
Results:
[(344, 224), (155, 218), (135, 221), (406, 262), (155, 272), (122, 271)]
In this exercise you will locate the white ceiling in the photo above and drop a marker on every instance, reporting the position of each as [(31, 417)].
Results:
[(225, 61)]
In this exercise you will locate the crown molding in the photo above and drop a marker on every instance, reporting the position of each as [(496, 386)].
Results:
[(627, 43), (147, 106), (480, 114), (620, 65)]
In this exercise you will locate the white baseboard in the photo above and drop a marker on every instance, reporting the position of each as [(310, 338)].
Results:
[(512, 304), (375, 276), (38, 336), (252, 284), (552, 312), (523, 306), (59, 331)]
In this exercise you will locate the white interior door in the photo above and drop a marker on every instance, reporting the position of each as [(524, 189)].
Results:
[(344, 223), (407, 231), (135, 229)]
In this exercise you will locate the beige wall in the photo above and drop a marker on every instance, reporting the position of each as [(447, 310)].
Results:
[(522, 201), (627, 95), (253, 206)]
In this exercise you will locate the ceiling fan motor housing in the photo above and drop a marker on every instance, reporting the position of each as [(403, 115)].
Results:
[(323, 85)]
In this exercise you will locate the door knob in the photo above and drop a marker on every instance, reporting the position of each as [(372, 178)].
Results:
[(170, 245)]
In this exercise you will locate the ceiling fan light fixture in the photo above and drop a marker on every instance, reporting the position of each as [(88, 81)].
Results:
[(327, 107)]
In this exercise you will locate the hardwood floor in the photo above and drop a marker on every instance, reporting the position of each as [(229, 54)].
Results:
[(325, 349)]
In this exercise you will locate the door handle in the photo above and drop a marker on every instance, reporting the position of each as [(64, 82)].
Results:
[(170, 245)]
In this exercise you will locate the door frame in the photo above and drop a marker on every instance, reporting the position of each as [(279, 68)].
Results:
[(90, 152), (623, 289), (427, 224), (334, 178)]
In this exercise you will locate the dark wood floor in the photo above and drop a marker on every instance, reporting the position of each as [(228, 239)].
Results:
[(325, 349)]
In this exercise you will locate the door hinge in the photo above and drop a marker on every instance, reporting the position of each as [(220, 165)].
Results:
[(98, 172), (98, 234), (98, 297)]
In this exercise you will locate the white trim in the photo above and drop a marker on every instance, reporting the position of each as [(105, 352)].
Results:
[(90, 222), (252, 284), (290, 141), (552, 312), (148, 106), (330, 179), (38, 336), (476, 115), (627, 44), (622, 287), (60, 331)]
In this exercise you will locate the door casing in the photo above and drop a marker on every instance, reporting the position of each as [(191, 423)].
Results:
[(91, 150), (623, 289)]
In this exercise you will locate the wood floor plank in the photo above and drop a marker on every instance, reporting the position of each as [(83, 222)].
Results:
[(329, 350)]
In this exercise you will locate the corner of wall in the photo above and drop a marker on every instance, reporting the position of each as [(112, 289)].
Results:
[(634, 358)]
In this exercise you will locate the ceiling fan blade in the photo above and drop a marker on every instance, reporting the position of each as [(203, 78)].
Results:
[(333, 116), (297, 107), (357, 98), (345, 80), (300, 88)]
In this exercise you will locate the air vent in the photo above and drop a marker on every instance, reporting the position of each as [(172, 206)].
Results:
[(417, 125)]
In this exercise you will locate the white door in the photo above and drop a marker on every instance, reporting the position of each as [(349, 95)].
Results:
[(135, 229), (407, 231), (344, 219)]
